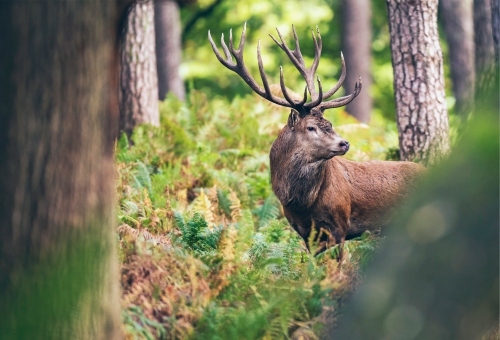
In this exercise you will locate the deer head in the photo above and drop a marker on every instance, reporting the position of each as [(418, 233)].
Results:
[(309, 129)]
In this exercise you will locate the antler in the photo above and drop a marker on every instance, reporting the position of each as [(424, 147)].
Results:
[(240, 68), (296, 58)]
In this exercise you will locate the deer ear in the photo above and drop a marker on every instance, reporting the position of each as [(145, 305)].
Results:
[(293, 119)]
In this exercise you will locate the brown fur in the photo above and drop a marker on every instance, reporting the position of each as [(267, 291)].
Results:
[(343, 197)]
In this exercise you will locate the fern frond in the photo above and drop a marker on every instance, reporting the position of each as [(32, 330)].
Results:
[(235, 206), (147, 200), (224, 202), (268, 211), (125, 230), (129, 208), (142, 177), (203, 205), (182, 198)]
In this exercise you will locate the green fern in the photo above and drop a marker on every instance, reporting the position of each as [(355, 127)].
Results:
[(224, 202), (142, 177), (196, 235), (141, 326), (268, 211), (129, 208)]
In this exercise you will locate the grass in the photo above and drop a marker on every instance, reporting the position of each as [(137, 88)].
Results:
[(205, 249)]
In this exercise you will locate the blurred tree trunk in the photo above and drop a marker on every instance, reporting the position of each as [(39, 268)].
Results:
[(356, 46), (138, 75), (58, 89), (168, 48), (483, 38), (495, 24), (458, 22), (417, 60)]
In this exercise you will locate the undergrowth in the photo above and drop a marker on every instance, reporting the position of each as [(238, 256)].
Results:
[(205, 249)]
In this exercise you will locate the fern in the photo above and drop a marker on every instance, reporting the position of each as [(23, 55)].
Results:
[(268, 211), (224, 202), (129, 208), (196, 235), (125, 230), (142, 177), (140, 325)]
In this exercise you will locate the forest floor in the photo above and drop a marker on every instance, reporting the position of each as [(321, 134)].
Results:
[(205, 250)]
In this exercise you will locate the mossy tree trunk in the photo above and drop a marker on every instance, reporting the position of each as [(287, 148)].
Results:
[(168, 48), (417, 59), (58, 114), (138, 75), (356, 46), (458, 23)]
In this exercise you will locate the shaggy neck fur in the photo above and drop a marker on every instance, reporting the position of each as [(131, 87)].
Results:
[(296, 179)]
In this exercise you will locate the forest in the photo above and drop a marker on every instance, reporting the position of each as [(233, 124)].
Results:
[(145, 193)]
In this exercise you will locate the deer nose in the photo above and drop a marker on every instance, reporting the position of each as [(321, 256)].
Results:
[(344, 145)]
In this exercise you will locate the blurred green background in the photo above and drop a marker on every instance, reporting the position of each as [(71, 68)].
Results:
[(202, 71)]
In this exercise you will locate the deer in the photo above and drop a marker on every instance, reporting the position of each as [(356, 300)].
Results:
[(336, 198)]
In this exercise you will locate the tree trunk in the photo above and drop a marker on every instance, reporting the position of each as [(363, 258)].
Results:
[(495, 24), (458, 25), (356, 46), (138, 76), (483, 36), (58, 264), (168, 48), (417, 60)]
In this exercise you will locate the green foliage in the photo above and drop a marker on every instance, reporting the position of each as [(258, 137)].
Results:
[(268, 211), (196, 235), (142, 178), (138, 326)]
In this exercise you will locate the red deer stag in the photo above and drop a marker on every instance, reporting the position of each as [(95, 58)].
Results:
[(317, 189)]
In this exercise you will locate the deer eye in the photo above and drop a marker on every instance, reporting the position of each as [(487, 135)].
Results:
[(310, 128)]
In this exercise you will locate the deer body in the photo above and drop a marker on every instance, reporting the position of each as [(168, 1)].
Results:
[(343, 197), (338, 196)]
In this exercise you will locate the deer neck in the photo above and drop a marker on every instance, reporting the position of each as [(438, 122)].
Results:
[(296, 180)]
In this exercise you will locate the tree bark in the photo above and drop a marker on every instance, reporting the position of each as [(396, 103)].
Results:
[(138, 76), (417, 59), (168, 48), (58, 89), (483, 36), (356, 46), (495, 24), (458, 25)]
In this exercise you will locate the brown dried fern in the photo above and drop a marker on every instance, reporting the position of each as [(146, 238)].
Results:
[(127, 231), (235, 206)]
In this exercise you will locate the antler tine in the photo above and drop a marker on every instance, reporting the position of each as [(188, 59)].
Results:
[(339, 82), (295, 56), (263, 73), (296, 52), (342, 100), (231, 46), (227, 63), (317, 50), (297, 60), (302, 102), (285, 91), (242, 40), (226, 50), (319, 98)]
